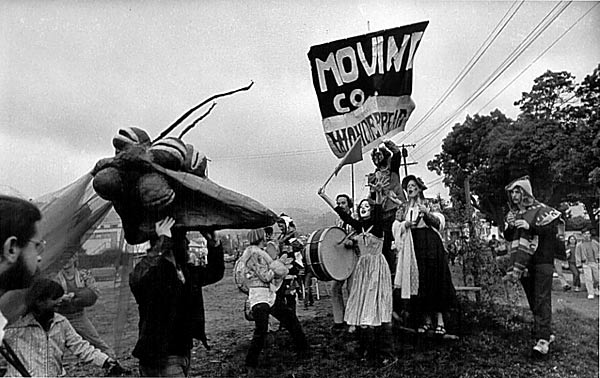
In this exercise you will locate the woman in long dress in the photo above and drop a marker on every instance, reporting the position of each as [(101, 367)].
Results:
[(369, 306), (418, 227)]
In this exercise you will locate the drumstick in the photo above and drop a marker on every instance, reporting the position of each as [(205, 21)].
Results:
[(346, 237)]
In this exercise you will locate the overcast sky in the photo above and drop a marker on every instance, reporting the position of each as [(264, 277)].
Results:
[(72, 73)]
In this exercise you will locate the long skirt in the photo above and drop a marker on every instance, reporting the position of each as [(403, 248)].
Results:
[(370, 300), (436, 291)]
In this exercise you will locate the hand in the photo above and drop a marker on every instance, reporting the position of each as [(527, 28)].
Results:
[(163, 227), (408, 224), (423, 209), (510, 218), (388, 143), (522, 223), (114, 369), (67, 297), (285, 260)]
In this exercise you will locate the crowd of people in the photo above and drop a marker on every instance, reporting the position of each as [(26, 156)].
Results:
[(576, 256), (401, 278)]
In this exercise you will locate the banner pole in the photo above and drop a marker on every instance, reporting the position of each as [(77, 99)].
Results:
[(352, 182), (329, 179)]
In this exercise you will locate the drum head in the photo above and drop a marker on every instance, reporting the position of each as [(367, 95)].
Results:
[(337, 260)]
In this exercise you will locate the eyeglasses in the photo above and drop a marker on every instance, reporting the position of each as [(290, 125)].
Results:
[(40, 245)]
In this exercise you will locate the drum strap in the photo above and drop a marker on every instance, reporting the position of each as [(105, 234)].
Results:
[(11, 357)]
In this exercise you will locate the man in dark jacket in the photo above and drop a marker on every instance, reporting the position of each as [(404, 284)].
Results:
[(168, 290)]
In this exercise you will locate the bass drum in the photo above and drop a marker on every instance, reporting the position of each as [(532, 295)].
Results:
[(327, 257)]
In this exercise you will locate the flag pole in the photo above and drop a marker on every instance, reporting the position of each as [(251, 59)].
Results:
[(352, 182)]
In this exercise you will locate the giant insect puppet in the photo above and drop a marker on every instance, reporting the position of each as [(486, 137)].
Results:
[(148, 179)]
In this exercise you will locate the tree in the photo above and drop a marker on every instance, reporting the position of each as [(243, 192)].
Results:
[(555, 140), (469, 151), (550, 97)]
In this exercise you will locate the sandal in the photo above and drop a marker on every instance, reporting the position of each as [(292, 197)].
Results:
[(440, 330), (424, 328)]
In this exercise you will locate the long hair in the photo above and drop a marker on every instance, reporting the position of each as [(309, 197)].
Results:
[(347, 197), (371, 203)]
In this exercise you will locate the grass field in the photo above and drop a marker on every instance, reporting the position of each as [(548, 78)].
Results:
[(495, 341)]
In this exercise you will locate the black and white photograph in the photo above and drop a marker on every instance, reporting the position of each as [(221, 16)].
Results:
[(206, 188)]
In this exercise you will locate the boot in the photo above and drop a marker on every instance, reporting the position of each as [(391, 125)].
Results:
[(370, 344), (362, 336)]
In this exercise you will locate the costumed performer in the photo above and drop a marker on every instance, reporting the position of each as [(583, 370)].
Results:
[(264, 275), (387, 159), (168, 290), (342, 203), (532, 233), (287, 241), (418, 228), (369, 306)]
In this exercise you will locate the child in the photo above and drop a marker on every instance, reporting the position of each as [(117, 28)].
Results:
[(264, 276), (41, 337)]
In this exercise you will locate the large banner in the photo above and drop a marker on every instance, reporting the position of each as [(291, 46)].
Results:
[(364, 84)]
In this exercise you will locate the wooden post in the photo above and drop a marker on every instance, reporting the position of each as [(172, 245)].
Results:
[(353, 183), (468, 204)]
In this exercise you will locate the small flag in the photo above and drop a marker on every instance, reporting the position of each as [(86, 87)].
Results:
[(354, 155)]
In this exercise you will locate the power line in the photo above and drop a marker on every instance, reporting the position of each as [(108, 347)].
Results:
[(434, 181), (531, 37), (527, 41), (470, 64), (539, 56), (467, 68), (528, 66), (270, 155), (474, 59)]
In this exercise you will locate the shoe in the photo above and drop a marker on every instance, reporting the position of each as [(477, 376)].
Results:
[(424, 328), (542, 347), (567, 287), (440, 330), (577, 289), (591, 296), (597, 293)]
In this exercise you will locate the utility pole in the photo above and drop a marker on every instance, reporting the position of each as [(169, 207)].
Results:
[(404, 155)]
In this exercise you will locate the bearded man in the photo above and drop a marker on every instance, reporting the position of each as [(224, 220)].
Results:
[(21, 249)]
